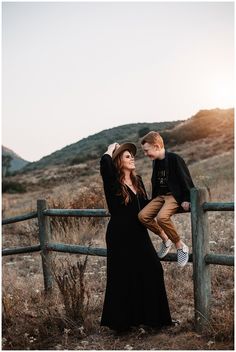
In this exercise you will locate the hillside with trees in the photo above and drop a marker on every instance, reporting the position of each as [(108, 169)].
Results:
[(92, 147), (11, 161)]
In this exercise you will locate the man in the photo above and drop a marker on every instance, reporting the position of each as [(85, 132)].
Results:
[(171, 184)]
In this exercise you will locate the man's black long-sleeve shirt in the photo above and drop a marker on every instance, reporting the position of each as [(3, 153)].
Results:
[(178, 177)]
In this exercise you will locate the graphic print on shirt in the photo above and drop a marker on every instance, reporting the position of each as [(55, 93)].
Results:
[(162, 178)]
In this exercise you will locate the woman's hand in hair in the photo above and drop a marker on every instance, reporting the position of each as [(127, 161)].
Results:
[(111, 148)]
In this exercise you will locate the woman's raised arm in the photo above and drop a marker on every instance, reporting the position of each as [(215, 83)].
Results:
[(107, 168)]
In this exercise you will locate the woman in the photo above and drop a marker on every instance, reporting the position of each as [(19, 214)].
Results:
[(135, 291)]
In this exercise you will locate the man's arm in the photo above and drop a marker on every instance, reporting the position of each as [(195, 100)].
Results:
[(186, 182)]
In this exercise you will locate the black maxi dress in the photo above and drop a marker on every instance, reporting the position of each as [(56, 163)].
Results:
[(135, 291)]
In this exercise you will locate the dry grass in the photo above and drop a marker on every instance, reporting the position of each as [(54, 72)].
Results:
[(74, 291), (35, 321)]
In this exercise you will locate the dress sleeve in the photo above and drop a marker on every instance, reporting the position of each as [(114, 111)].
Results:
[(107, 169)]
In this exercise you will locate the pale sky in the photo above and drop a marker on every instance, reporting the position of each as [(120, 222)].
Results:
[(72, 69)]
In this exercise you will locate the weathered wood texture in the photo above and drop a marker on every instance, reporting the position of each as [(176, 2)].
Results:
[(21, 250), (44, 238), (71, 248), (201, 271), (220, 259), (77, 212), (218, 206), (20, 218)]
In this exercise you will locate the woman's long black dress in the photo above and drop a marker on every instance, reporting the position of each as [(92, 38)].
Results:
[(135, 291)]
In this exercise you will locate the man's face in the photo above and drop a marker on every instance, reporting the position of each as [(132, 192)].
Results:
[(150, 150)]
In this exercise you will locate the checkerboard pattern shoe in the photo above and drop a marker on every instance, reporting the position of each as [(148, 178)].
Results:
[(182, 255), (164, 249)]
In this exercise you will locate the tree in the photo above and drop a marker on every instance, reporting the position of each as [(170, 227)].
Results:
[(143, 131), (6, 164)]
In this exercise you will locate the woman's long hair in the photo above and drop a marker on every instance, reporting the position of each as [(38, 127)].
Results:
[(136, 180)]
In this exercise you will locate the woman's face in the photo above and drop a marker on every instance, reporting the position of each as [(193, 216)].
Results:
[(127, 161)]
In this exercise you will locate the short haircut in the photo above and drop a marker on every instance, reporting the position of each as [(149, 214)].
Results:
[(153, 138)]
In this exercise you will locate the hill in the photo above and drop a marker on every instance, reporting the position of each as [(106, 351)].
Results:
[(11, 161), (206, 134), (213, 123), (92, 147), (214, 128)]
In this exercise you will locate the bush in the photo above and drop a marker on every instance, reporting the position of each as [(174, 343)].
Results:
[(74, 292), (77, 160), (12, 187), (143, 131)]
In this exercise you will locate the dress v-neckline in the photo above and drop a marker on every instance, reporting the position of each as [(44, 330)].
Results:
[(131, 189)]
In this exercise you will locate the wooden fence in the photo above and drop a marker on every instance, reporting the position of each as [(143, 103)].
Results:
[(201, 258)]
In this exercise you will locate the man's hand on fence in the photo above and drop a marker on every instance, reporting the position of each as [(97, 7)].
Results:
[(185, 206)]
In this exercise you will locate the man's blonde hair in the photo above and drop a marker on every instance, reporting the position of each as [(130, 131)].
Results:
[(153, 138)]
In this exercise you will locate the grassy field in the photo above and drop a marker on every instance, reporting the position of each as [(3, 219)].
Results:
[(69, 317)]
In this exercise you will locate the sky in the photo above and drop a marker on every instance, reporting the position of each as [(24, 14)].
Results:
[(72, 69)]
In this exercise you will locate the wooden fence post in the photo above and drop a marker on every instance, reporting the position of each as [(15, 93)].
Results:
[(44, 238), (201, 270)]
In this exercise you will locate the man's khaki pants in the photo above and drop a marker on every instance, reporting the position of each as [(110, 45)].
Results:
[(161, 208)]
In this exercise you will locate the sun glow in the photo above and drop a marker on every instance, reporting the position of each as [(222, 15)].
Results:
[(222, 92)]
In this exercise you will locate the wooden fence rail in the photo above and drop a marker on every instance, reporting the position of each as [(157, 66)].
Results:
[(20, 218), (201, 258)]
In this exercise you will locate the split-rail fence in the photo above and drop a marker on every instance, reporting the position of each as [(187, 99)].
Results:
[(200, 256)]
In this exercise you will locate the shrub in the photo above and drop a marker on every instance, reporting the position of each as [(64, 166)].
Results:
[(74, 293), (78, 159), (143, 131), (12, 187)]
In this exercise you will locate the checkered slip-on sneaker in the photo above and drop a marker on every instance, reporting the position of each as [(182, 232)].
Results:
[(182, 255), (164, 249)]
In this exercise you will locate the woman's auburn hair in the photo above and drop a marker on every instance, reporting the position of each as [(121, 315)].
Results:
[(153, 138), (136, 180)]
